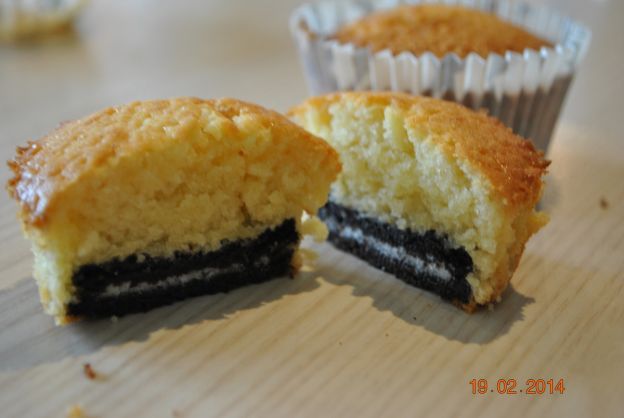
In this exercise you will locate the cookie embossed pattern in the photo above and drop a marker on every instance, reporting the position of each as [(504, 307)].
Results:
[(524, 89)]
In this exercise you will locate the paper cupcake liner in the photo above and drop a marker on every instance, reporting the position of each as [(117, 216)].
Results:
[(524, 90), (24, 18)]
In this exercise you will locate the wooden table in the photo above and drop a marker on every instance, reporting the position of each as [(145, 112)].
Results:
[(342, 339)]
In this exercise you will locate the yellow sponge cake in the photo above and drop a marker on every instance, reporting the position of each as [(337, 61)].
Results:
[(432, 192), (141, 205)]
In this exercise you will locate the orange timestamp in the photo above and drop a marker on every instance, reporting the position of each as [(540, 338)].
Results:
[(510, 387)]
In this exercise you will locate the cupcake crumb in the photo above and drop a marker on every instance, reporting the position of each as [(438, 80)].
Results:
[(315, 228), (89, 372), (75, 411), (308, 259), (604, 203)]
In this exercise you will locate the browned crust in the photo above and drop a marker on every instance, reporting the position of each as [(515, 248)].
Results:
[(512, 165), (439, 29), (46, 167), (470, 307)]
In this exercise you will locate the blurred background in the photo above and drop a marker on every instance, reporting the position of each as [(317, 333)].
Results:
[(123, 50)]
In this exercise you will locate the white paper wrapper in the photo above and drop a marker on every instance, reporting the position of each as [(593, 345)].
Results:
[(524, 90), (24, 18)]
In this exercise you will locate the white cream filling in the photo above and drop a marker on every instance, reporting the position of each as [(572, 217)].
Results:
[(115, 290), (428, 266)]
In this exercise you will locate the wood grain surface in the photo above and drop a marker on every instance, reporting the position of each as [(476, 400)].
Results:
[(341, 339)]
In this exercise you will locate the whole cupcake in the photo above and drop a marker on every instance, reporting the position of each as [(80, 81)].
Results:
[(514, 60)]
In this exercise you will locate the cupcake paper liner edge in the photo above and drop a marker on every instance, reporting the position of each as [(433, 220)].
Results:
[(524, 90)]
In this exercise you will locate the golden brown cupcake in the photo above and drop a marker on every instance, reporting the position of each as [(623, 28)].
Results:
[(141, 205), (438, 195), (439, 29), (512, 59)]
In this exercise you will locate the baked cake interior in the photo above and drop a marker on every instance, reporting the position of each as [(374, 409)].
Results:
[(172, 199), (405, 204)]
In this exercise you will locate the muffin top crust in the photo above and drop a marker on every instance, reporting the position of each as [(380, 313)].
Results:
[(438, 29), (44, 169)]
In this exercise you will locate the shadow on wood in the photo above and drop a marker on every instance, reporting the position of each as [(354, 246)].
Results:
[(422, 308), (28, 337)]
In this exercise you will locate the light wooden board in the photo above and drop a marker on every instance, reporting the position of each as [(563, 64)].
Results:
[(342, 339)]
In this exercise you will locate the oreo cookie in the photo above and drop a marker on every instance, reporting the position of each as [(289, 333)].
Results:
[(426, 260), (139, 283)]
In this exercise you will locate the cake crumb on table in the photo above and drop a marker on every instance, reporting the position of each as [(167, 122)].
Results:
[(75, 411), (89, 372)]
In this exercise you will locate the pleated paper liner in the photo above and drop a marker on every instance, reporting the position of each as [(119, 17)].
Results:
[(525, 90)]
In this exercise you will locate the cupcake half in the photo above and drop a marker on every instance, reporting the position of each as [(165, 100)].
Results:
[(513, 59), (141, 205), (438, 195)]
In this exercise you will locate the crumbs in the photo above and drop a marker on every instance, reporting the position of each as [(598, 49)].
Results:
[(314, 227), (88, 371), (75, 411), (604, 203)]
